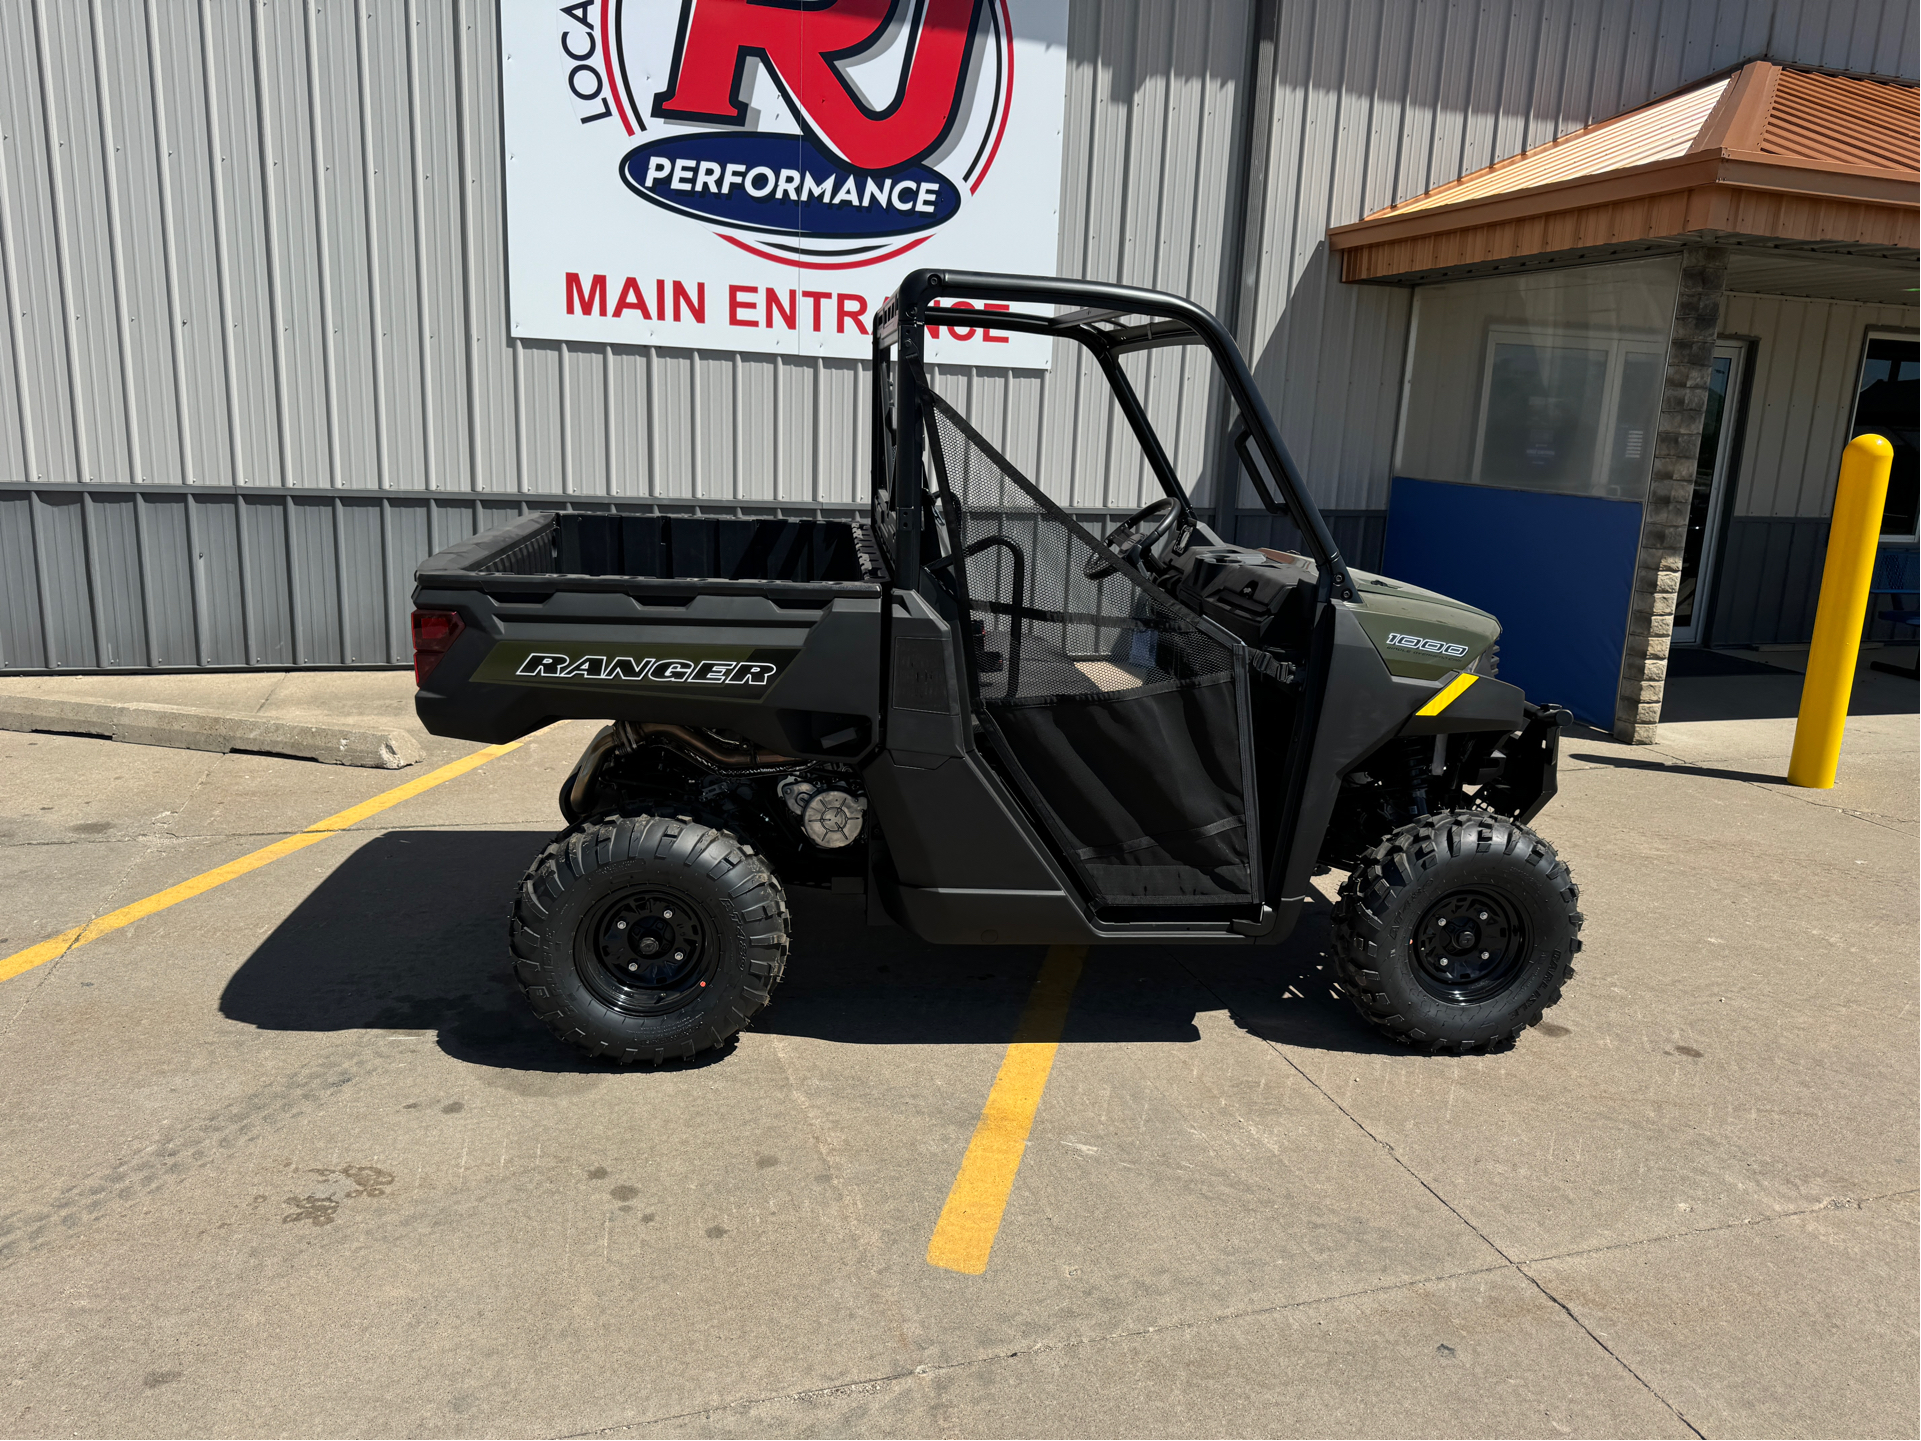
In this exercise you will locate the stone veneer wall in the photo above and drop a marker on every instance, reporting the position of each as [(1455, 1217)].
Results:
[(1664, 525)]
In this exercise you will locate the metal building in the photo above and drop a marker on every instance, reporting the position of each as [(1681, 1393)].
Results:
[(258, 356)]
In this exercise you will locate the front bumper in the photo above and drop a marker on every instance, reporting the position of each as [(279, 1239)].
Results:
[(1530, 765)]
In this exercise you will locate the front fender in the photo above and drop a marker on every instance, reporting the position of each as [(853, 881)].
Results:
[(1468, 702)]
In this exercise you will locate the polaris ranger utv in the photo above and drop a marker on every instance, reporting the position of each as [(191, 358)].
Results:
[(1000, 727)]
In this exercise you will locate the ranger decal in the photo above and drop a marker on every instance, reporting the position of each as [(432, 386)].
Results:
[(622, 667)]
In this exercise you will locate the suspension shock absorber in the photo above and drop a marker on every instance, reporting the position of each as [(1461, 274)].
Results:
[(1419, 756)]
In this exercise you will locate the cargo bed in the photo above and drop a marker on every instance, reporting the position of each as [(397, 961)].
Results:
[(767, 628)]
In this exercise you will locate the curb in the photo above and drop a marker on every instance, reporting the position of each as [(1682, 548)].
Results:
[(201, 730)]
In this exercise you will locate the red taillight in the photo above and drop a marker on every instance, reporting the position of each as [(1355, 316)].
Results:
[(434, 632)]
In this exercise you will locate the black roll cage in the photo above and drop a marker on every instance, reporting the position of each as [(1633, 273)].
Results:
[(1094, 322)]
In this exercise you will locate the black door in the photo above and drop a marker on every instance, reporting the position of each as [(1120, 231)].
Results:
[(1122, 721)]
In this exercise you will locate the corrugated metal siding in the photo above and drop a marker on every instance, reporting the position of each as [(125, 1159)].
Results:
[(22, 637), (1154, 90), (1770, 585), (1360, 535), (1820, 277), (257, 249), (1769, 581), (1807, 364), (197, 579), (1381, 100), (262, 246)]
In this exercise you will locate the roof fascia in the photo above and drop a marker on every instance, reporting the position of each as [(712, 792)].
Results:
[(1752, 170), (1657, 177), (1748, 171)]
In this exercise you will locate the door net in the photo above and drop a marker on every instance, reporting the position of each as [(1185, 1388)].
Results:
[(1121, 719)]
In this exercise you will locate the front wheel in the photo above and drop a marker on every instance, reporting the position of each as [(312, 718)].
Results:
[(1457, 932), (645, 938)]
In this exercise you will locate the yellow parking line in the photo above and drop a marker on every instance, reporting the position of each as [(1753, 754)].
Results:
[(47, 950), (971, 1219)]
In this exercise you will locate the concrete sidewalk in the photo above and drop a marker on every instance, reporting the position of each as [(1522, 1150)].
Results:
[(349, 718)]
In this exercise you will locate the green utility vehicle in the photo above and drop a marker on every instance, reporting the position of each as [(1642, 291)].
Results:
[(999, 727)]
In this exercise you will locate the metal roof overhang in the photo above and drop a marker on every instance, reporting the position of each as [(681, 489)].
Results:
[(1724, 190)]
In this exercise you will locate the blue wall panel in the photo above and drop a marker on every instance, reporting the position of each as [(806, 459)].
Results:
[(1556, 570)]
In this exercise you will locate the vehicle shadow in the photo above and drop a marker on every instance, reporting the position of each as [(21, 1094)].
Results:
[(408, 936), (1286, 993), (1713, 773)]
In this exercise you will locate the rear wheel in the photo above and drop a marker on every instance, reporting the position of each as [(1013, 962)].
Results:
[(1457, 932), (642, 938)]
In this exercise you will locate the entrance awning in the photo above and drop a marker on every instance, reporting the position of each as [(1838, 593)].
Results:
[(1763, 155)]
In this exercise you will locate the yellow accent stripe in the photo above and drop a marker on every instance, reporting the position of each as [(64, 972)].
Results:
[(1445, 697), (57, 946), (964, 1236)]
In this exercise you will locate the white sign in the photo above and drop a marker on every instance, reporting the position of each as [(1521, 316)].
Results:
[(758, 175)]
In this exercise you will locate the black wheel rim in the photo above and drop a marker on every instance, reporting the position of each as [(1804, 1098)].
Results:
[(1469, 946), (646, 951)]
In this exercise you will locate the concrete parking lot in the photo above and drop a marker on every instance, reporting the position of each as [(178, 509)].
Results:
[(289, 1157)]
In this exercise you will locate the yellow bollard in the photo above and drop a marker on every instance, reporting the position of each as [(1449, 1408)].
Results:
[(1854, 537)]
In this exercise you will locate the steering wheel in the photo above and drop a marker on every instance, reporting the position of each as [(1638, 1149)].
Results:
[(1134, 537)]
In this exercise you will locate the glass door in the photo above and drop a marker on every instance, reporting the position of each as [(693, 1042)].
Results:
[(1710, 477)]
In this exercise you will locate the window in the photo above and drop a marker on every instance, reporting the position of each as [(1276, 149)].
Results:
[(1886, 403), (1544, 381), (1572, 413)]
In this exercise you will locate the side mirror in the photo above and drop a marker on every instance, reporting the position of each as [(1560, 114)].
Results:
[(1257, 471)]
